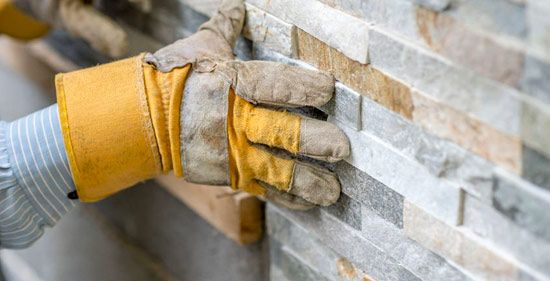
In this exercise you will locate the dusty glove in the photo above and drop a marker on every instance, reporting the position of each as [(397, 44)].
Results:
[(233, 111), (78, 18), (192, 108)]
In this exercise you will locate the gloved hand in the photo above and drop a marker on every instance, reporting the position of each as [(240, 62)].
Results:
[(34, 17), (210, 118)]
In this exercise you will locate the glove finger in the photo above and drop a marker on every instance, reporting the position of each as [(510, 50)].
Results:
[(103, 34), (298, 135), (285, 199), (228, 21), (280, 84), (314, 184)]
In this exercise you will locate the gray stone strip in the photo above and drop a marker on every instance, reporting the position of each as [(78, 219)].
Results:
[(493, 226), (443, 159), (436, 5), (413, 256), (467, 251), (437, 77), (523, 203), (295, 241), (323, 22), (337, 236), (269, 31), (406, 176), (373, 195), (345, 106), (536, 167), (347, 209), (289, 266)]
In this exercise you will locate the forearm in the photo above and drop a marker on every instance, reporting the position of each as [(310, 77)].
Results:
[(34, 177)]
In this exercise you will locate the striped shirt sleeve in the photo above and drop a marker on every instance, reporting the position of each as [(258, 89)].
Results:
[(34, 177)]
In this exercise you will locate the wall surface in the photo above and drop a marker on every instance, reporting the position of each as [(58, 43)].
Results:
[(447, 107)]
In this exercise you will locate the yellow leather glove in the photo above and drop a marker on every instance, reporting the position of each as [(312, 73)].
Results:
[(30, 19), (190, 107)]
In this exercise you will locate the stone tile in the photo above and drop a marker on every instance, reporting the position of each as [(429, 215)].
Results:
[(468, 132), (535, 80), (372, 194), (452, 86), (413, 256), (443, 159), (290, 266), (323, 22), (506, 18), (536, 168), (341, 238), (345, 106), (407, 177), (347, 210), (523, 203), (493, 226), (535, 125), (459, 43), (539, 28), (312, 252), (180, 239), (360, 77), (451, 243), (206, 7), (269, 31)]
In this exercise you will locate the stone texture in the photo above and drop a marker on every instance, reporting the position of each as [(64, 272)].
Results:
[(180, 239), (539, 28), (413, 256), (360, 77), (466, 251), (267, 30), (341, 238), (523, 203), (347, 210), (458, 88), (345, 106), (535, 124), (405, 176), (491, 225), (372, 194), (324, 23), (441, 158), (535, 80), (290, 266), (311, 252), (444, 35), (536, 168), (468, 132)]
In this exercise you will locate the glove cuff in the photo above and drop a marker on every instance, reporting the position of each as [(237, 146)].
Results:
[(15, 23), (116, 125)]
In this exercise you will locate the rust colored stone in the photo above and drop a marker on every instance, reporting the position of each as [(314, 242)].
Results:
[(366, 80), (467, 132), (470, 48)]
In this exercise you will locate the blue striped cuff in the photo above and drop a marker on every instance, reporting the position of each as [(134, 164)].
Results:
[(37, 156)]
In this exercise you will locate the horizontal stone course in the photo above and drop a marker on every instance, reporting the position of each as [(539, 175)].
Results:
[(405, 176), (345, 106), (523, 203), (466, 251), (489, 224), (341, 238), (324, 23), (371, 194)]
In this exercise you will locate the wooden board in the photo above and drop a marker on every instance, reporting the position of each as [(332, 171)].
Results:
[(237, 215)]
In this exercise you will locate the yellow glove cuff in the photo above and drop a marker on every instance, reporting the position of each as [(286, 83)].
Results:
[(15, 23), (120, 124)]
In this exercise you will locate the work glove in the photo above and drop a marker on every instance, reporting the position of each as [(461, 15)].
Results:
[(30, 19), (192, 108)]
